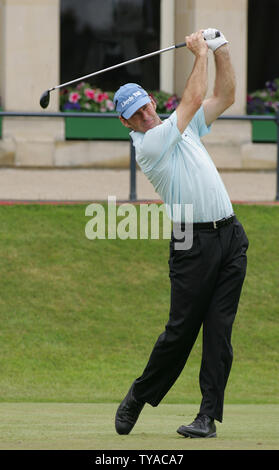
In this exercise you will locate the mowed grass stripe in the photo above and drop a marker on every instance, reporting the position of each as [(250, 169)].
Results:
[(79, 317), (51, 426)]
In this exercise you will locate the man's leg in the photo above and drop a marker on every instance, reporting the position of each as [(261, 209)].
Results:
[(192, 283), (217, 327), (173, 346)]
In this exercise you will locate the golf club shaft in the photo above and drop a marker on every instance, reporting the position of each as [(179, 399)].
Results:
[(176, 46)]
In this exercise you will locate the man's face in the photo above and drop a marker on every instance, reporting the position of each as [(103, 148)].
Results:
[(145, 118)]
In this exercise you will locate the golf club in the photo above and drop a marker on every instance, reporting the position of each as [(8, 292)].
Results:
[(44, 100)]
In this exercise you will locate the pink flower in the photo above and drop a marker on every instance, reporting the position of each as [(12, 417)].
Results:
[(80, 85), (89, 93), (101, 97), (171, 103), (110, 105), (74, 97)]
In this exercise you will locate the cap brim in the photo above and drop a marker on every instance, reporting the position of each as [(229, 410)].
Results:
[(134, 107)]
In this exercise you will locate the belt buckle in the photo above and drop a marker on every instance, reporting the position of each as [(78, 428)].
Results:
[(214, 224)]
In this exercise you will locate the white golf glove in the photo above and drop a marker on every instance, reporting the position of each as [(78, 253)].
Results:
[(213, 42)]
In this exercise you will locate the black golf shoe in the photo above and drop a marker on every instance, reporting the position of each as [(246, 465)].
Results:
[(128, 413), (202, 426)]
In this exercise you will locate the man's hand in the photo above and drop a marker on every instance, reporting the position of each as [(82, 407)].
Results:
[(215, 43), (196, 43)]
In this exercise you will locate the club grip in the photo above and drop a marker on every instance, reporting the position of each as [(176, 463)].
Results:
[(181, 44)]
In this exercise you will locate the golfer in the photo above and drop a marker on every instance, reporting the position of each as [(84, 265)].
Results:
[(206, 280)]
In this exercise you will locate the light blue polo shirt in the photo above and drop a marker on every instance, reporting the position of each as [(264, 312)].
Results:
[(180, 168)]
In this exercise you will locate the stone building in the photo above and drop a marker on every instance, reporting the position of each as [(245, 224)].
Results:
[(30, 62)]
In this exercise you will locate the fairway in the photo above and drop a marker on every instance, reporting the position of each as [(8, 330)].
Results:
[(91, 426), (79, 318)]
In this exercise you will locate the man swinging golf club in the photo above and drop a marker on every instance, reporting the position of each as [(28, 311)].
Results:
[(206, 280)]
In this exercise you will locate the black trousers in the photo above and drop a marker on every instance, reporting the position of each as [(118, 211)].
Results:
[(206, 283)]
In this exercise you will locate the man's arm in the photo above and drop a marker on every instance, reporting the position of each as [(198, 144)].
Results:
[(196, 86), (224, 89)]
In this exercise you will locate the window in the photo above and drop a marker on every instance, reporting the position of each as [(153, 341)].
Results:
[(263, 58), (96, 34)]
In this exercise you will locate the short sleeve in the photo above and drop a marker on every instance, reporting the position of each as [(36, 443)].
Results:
[(198, 124), (154, 147)]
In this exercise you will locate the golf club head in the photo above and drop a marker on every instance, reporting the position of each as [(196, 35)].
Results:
[(44, 100)]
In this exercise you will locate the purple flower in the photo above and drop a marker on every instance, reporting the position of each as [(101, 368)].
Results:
[(72, 106), (271, 86), (256, 106), (171, 103)]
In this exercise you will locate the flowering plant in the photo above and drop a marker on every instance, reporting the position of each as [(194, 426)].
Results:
[(84, 97), (265, 101), (166, 102)]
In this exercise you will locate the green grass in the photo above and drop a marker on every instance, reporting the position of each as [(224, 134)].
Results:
[(79, 317), (63, 426)]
